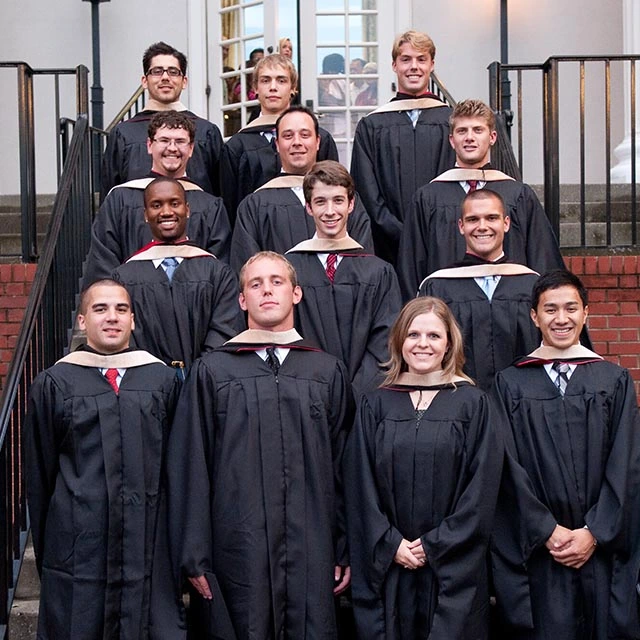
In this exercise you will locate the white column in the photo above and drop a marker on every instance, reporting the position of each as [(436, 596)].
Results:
[(621, 172), (197, 71)]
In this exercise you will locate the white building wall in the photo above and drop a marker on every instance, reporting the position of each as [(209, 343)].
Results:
[(467, 37), (466, 33)]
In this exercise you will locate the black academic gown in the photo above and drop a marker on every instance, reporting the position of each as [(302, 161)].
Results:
[(182, 319), (119, 229), (495, 332), (431, 239), (126, 156), (249, 160), (435, 478), (571, 461), (351, 317), (390, 160), (276, 220), (94, 467), (255, 486)]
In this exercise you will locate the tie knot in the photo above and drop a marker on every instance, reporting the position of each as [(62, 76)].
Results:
[(561, 367), (473, 185), (170, 262)]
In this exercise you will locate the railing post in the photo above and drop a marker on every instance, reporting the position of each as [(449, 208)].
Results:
[(82, 89), (494, 86), (551, 144), (27, 163)]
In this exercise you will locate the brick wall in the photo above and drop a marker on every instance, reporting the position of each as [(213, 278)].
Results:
[(614, 307), (15, 283), (612, 281)]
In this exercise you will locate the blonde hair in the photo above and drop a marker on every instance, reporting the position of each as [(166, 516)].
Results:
[(276, 60), (418, 40), (270, 255), (473, 109), (453, 360)]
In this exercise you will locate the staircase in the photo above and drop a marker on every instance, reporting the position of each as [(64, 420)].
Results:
[(595, 217), (10, 225), (24, 612)]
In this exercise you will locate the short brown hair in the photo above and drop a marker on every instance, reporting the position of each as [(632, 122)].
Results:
[(172, 120), (276, 60), (482, 194), (331, 173), (473, 109), (163, 49), (105, 282), (271, 255), (453, 360), (418, 40)]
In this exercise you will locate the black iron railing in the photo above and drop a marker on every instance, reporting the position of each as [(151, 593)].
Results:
[(26, 139), (584, 100), (42, 340)]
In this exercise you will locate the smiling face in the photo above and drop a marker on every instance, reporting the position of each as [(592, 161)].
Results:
[(166, 211), (170, 151), (483, 225), (413, 69), (330, 208), (107, 318), (274, 89), (560, 316), (268, 295), (472, 141), (297, 142), (425, 345), (164, 88)]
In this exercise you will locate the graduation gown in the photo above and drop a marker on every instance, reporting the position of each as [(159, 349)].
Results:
[(179, 320), (94, 463), (495, 332), (572, 461), (351, 317), (126, 156), (431, 239), (119, 229), (390, 160), (249, 161), (433, 478), (255, 486), (274, 219)]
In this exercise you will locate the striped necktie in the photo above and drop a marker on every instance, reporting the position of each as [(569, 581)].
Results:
[(332, 259), (562, 369)]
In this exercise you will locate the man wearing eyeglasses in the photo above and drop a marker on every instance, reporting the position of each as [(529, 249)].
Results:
[(119, 229), (126, 157)]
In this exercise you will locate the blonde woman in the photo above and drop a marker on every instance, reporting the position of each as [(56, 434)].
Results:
[(422, 467)]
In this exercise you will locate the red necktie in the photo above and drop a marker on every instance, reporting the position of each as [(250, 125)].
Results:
[(332, 258), (473, 185), (112, 377)]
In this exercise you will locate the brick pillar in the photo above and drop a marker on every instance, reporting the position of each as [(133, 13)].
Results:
[(15, 284), (614, 307)]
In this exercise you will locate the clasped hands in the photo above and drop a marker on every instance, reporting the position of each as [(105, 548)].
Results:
[(571, 547), (411, 555)]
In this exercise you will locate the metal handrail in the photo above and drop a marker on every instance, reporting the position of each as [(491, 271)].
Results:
[(26, 140), (602, 234), (42, 339), (134, 105), (436, 86)]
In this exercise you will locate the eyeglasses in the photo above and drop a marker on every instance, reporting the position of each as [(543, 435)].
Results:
[(174, 72), (166, 142)]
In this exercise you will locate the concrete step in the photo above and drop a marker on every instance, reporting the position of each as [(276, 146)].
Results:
[(23, 619)]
